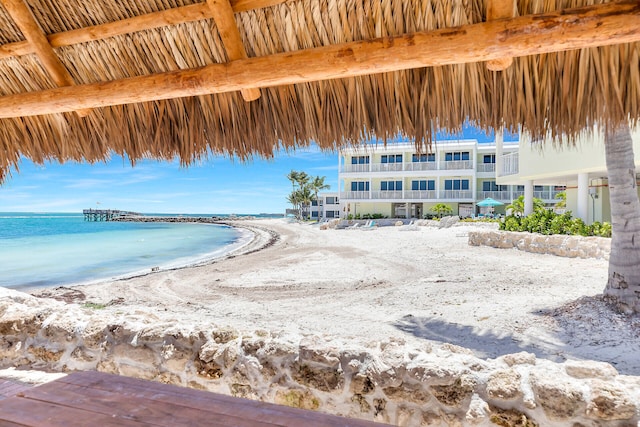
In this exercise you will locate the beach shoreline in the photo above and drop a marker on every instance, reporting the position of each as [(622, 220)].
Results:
[(426, 285)]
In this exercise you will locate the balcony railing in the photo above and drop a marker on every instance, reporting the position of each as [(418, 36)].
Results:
[(486, 167), (510, 164), (355, 195), (420, 194), (421, 166), (457, 164), (497, 195), (456, 194), (355, 168), (386, 195), (384, 167)]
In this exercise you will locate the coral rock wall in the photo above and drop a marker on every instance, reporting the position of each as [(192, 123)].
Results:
[(391, 382)]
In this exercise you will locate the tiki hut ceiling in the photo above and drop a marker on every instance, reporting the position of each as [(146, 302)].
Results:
[(82, 79)]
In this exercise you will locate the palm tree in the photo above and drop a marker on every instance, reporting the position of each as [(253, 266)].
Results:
[(294, 199), (517, 206), (293, 177), (562, 202), (302, 179), (441, 209), (623, 284), (304, 194), (317, 184)]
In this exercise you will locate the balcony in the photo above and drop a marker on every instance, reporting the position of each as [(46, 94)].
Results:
[(510, 164), (420, 166), (355, 195), (382, 195), (457, 164), (420, 194), (355, 168), (385, 167), (497, 195), (486, 167), (456, 194)]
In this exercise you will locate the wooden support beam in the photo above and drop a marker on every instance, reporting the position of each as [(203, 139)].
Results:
[(26, 22), (228, 30), (591, 26), (175, 16), (500, 9)]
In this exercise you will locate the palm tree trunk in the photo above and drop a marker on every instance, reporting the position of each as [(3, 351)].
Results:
[(623, 285)]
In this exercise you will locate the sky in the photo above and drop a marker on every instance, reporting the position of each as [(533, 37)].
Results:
[(215, 186)]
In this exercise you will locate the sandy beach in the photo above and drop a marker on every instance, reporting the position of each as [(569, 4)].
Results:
[(424, 285)]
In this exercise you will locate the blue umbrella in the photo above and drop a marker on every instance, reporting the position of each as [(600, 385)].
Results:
[(489, 202)]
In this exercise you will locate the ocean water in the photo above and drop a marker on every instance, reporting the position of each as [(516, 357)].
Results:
[(43, 250)]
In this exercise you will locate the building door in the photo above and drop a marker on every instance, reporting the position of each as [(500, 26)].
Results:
[(416, 210)]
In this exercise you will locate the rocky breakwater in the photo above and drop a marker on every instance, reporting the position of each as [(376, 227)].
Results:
[(390, 381), (185, 219)]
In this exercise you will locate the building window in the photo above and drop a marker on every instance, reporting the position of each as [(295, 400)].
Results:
[(360, 186), (331, 200), (489, 158), (491, 186), (423, 185), (360, 160), (456, 184), (538, 188), (390, 185), (391, 158), (314, 214), (314, 203), (331, 214), (458, 155), (421, 158)]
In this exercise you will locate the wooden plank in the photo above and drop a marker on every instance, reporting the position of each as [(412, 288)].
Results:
[(500, 9), (596, 25), (225, 20), (134, 406), (175, 16), (33, 413), (211, 402)]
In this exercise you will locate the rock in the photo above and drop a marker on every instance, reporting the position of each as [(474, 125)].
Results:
[(478, 410), (510, 418), (589, 369), (317, 350), (504, 384), (522, 358), (361, 384), (559, 398), (455, 394), (610, 402), (408, 393), (302, 399), (318, 377)]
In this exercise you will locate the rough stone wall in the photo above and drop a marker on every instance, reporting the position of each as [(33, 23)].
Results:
[(560, 245), (391, 382)]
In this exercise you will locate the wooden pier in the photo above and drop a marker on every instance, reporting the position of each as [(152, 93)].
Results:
[(106, 214)]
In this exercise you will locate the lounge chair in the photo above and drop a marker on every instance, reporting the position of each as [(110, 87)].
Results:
[(411, 226), (370, 225)]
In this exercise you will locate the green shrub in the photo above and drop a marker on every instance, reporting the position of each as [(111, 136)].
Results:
[(547, 222)]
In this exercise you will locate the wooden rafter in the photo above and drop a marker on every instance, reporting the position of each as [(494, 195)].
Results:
[(591, 26), (175, 16), (225, 21), (30, 29), (500, 9)]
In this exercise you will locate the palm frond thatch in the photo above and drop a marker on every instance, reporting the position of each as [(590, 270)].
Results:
[(559, 93)]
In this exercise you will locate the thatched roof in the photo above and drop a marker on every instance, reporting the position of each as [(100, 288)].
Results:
[(562, 92)]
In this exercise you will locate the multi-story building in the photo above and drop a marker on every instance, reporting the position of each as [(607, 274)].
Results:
[(580, 167), (397, 181), (327, 206)]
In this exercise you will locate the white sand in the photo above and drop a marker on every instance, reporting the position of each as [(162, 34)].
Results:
[(428, 284)]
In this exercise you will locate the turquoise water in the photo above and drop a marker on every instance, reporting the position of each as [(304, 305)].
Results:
[(41, 250)]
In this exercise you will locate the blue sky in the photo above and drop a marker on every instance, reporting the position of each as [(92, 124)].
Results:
[(216, 186)]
